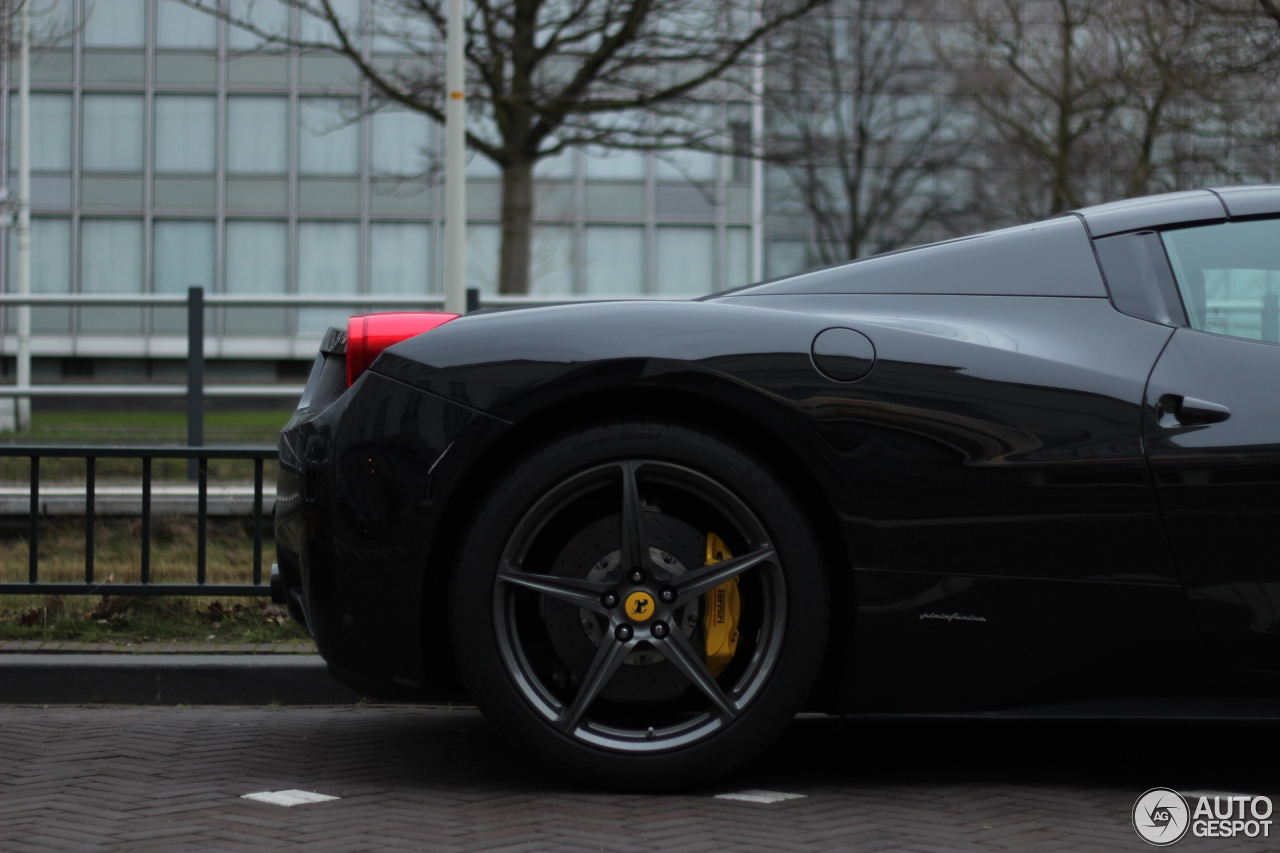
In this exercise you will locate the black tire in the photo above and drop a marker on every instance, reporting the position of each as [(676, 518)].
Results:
[(531, 623)]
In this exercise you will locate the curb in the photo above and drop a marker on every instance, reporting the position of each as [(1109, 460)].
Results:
[(169, 679), (63, 647)]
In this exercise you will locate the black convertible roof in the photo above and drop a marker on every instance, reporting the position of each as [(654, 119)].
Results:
[(1208, 205)]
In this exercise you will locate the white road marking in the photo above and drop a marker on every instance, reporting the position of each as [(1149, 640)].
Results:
[(288, 798), (757, 796)]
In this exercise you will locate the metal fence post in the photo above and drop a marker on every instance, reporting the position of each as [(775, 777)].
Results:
[(195, 375)]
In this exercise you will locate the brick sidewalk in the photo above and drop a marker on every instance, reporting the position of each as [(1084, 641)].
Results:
[(172, 779), (56, 647)]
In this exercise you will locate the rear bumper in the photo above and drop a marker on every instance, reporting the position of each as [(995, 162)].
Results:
[(363, 489)]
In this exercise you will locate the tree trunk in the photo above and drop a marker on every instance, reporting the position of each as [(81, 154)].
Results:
[(517, 226)]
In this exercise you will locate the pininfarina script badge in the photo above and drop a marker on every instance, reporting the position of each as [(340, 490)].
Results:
[(953, 617)]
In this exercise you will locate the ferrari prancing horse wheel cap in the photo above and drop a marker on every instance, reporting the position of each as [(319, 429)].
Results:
[(639, 606)]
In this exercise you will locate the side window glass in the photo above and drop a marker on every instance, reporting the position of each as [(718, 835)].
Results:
[(1229, 277)]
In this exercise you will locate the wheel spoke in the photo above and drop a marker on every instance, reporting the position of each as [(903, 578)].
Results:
[(606, 662), (676, 648), (695, 582), (578, 591), (635, 545)]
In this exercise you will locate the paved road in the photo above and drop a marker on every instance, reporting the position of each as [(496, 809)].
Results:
[(116, 778)]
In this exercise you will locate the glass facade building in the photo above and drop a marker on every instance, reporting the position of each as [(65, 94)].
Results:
[(170, 150)]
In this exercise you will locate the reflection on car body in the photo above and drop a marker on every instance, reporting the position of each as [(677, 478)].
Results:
[(995, 475)]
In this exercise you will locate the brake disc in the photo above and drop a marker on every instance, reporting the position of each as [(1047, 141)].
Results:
[(575, 634)]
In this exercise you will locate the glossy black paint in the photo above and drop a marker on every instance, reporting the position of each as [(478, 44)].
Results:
[(982, 488), (361, 486), (1218, 481)]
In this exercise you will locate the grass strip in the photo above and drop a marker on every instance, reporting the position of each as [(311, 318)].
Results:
[(121, 619)]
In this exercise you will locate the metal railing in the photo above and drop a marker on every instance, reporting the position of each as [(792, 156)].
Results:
[(197, 301), (90, 584)]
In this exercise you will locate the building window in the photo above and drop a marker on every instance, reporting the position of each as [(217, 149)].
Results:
[(328, 263), (55, 21), (50, 272), (315, 28), (266, 17), (257, 261), (614, 260), (559, 167), (698, 167), (111, 262), (402, 143), (115, 23), (111, 256), (604, 164), (397, 29), (484, 243), (685, 261), (50, 255), (329, 143), (785, 257), (183, 256), (112, 133), (185, 134), (180, 26), (737, 252), (257, 257), (552, 261), (620, 164), (257, 136), (739, 122), (50, 133), (400, 258)]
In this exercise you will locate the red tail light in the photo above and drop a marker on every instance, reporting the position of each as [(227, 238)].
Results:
[(369, 334)]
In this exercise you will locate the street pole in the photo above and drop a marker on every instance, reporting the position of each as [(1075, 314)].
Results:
[(22, 261), (195, 375), (455, 164), (757, 154)]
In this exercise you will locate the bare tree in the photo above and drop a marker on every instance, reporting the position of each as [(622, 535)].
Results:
[(47, 28), (1094, 98), (856, 129), (1043, 77), (1194, 77), (547, 75)]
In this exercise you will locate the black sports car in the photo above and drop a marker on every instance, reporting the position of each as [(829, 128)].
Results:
[(1035, 471)]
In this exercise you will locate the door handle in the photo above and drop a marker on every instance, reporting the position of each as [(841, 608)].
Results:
[(1175, 410)]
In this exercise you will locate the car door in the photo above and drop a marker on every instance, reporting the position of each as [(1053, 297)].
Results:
[(1212, 434)]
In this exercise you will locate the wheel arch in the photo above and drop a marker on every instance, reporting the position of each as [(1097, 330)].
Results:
[(763, 437)]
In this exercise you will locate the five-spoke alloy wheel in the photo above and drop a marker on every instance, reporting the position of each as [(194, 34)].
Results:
[(637, 600)]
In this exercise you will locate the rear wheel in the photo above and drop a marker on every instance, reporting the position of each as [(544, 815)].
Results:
[(641, 604)]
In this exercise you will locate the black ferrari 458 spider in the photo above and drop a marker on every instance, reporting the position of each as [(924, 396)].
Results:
[(1035, 471)]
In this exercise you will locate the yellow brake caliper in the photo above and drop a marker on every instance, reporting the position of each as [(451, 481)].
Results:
[(723, 609)]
